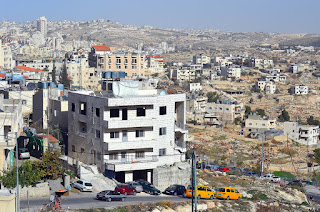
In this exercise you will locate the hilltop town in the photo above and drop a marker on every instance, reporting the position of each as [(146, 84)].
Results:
[(97, 104)]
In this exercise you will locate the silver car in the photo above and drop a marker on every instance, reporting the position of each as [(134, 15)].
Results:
[(82, 185), (136, 185), (24, 153)]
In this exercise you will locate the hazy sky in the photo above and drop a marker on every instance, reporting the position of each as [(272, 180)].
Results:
[(291, 16)]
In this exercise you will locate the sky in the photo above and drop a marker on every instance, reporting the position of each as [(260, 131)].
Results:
[(284, 16)]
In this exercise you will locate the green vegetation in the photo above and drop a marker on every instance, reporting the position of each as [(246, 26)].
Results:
[(317, 155), (212, 96), (284, 116), (64, 77), (258, 111), (283, 174), (304, 203), (258, 195), (32, 172), (312, 121), (53, 73)]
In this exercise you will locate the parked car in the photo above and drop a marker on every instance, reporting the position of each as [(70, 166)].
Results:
[(252, 174), (109, 195), (149, 188), (82, 185), (227, 193), (223, 169), (203, 192), (175, 190), (23, 153), (101, 194), (295, 183), (136, 185), (271, 178), (125, 189)]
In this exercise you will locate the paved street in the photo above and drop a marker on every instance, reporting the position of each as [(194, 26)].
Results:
[(87, 200)]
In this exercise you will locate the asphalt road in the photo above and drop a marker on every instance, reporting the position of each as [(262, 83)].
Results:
[(88, 200)]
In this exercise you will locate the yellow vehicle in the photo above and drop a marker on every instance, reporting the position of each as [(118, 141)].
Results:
[(203, 192), (227, 193)]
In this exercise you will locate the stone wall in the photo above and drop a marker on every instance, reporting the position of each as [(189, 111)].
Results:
[(40, 190), (179, 173)]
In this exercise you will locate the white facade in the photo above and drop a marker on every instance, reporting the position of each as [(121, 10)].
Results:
[(129, 134), (182, 74), (201, 59), (195, 87), (304, 134), (266, 86), (42, 25), (231, 72), (256, 123), (300, 89)]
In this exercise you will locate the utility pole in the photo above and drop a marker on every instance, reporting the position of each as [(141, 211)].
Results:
[(234, 153), (17, 165), (262, 159), (194, 182)]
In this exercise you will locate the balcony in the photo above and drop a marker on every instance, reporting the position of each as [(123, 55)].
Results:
[(180, 127), (130, 163), (180, 145), (142, 144), (116, 124)]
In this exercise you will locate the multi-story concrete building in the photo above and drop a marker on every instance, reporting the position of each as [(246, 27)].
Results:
[(299, 89), (6, 57), (276, 78), (96, 56), (266, 86), (231, 72), (155, 63), (201, 59), (182, 74), (226, 110), (125, 131), (42, 25), (255, 123), (261, 63), (304, 134)]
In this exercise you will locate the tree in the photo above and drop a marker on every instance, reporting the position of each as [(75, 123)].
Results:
[(64, 77), (261, 112), (212, 96), (28, 175), (248, 111), (50, 166), (312, 121), (53, 74), (317, 155), (284, 116)]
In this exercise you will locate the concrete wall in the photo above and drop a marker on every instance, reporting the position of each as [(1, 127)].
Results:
[(7, 201), (165, 176), (40, 190)]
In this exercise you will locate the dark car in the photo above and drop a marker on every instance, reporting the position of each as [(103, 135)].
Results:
[(126, 189), (175, 190), (251, 173), (109, 195), (295, 183), (148, 187)]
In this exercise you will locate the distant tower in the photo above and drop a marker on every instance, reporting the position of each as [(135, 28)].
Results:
[(42, 25)]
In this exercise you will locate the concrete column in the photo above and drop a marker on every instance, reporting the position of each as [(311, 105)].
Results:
[(149, 176), (128, 176)]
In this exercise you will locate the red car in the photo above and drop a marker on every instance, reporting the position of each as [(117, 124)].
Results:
[(223, 169), (126, 189)]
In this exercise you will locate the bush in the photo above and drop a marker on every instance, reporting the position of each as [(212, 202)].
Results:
[(283, 174)]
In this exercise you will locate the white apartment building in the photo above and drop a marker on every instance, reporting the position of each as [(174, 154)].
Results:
[(231, 72), (201, 59), (304, 134), (6, 57), (42, 25), (226, 110), (125, 131), (155, 63), (182, 74), (255, 123), (193, 86), (299, 89), (266, 86), (262, 63), (276, 78)]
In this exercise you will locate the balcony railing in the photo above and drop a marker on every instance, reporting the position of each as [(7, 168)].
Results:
[(180, 125), (131, 159)]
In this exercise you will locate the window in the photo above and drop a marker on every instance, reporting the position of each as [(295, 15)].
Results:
[(73, 148), (139, 154), (133, 67), (98, 112), (83, 108), (114, 134), (114, 113), (134, 60), (162, 131), (228, 190), (139, 133), (125, 60), (82, 150), (97, 133), (55, 113), (118, 67), (162, 152), (141, 111), (125, 67), (163, 110), (82, 127), (118, 60), (113, 156)]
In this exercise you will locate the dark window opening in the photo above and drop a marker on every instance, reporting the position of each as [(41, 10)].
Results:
[(163, 110), (141, 111), (98, 112), (162, 131), (114, 113), (162, 152), (83, 108), (139, 133), (82, 127), (114, 134)]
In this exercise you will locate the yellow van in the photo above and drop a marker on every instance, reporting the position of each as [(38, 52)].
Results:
[(203, 192), (227, 193)]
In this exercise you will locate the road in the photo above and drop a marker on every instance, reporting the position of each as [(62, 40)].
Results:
[(88, 200)]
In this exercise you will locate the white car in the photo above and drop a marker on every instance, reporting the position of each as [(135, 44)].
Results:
[(82, 185), (271, 178)]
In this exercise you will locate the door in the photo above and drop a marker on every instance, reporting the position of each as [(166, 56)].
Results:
[(124, 135), (123, 157), (124, 114)]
